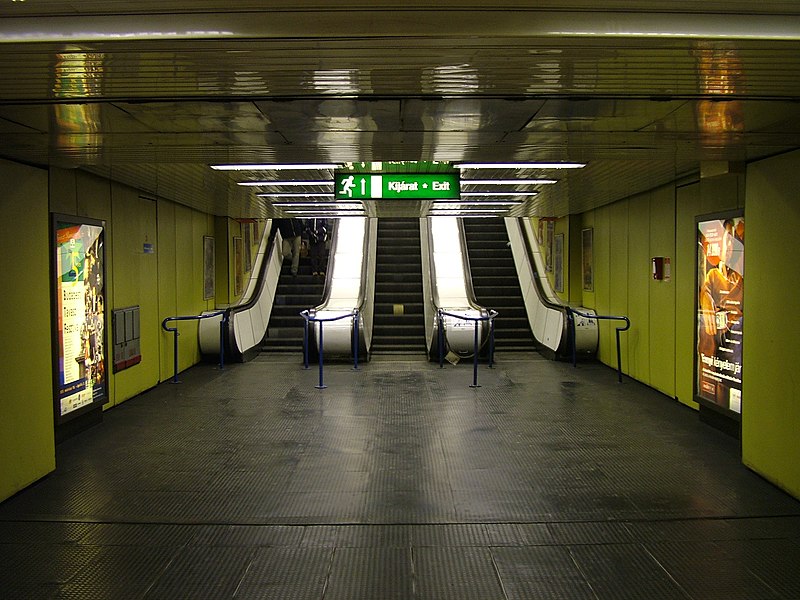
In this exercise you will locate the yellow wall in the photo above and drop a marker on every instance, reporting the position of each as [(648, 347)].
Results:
[(179, 253), (658, 348), (168, 282), (27, 444), (770, 381), (133, 224), (683, 276), (165, 283)]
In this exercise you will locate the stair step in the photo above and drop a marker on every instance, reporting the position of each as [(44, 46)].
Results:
[(398, 281), (496, 285)]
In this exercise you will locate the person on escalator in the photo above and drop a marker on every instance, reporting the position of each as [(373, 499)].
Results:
[(291, 234), (317, 231)]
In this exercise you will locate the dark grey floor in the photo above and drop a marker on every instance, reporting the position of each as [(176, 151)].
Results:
[(401, 481)]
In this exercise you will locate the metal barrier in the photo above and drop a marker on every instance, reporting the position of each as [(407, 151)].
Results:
[(571, 320), (309, 318), (490, 317), (222, 325)]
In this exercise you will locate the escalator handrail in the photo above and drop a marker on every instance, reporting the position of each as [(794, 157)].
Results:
[(262, 275)]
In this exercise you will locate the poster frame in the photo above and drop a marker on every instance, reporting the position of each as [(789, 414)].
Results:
[(238, 266), (209, 267), (587, 259), (56, 335), (558, 262), (700, 400)]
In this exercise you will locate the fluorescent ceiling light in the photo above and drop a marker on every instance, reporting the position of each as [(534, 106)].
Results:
[(455, 213), (456, 203), (475, 209), (507, 181), (295, 195), (497, 194), (268, 167), (327, 212), (532, 165), (295, 183), (340, 205)]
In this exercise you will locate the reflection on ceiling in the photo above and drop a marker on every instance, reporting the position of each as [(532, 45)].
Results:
[(642, 97)]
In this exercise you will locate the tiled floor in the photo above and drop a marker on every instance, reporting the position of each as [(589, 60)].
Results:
[(401, 481)]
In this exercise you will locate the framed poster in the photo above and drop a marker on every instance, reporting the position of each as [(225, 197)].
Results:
[(720, 311), (558, 262), (548, 247), (209, 264), (79, 320), (247, 232), (587, 260), (238, 266)]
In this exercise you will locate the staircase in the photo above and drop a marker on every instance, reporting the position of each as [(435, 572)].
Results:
[(496, 285), (399, 322), (293, 294)]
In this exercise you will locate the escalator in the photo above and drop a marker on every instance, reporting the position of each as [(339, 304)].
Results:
[(292, 295), (399, 324), (496, 284)]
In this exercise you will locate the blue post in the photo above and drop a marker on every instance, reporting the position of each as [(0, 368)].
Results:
[(175, 352), (305, 342), (491, 342), (321, 385), (475, 358), (441, 340), (355, 341), (573, 345), (222, 322)]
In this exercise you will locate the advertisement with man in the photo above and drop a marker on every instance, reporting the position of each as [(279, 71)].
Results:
[(720, 311)]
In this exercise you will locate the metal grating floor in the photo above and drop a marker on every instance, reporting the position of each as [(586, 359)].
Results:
[(401, 481)]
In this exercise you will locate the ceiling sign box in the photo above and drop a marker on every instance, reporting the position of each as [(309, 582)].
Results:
[(400, 186)]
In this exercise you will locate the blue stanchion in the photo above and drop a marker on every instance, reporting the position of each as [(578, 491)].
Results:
[(489, 317), (174, 330), (309, 316), (571, 312)]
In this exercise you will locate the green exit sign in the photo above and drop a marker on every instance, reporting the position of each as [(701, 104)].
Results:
[(400, 186)]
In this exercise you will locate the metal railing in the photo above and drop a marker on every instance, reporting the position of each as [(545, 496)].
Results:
[(571, 320), (222, 325), (489, 317), (309, 316)]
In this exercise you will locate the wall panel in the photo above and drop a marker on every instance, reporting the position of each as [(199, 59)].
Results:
[(27, 444)]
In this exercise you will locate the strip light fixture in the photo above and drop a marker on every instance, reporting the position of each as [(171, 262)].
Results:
[(343, 205), (326, 211), (520, 165), (293, 183), (456, 213), (276, 167), (508, 181), (498, 194), (295, 195), (457, 203)]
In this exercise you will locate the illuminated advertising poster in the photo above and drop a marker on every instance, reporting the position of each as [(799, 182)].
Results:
[(80, 366), (720, 311)]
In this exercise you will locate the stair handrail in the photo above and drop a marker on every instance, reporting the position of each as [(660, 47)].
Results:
[(309, 316), (222, 326), (571, 320), (489, 316)]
